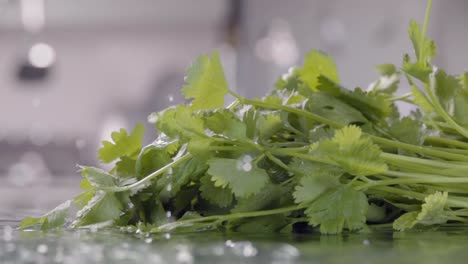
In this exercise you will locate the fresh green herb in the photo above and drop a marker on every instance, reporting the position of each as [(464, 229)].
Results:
[(309, 153)]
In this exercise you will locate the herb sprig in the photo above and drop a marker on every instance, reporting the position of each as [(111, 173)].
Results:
[(310, 153)]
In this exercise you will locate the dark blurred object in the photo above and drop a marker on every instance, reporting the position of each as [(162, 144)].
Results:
[(29, 73)]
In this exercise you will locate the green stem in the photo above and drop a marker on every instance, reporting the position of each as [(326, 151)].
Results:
[(277, 161), (170, 226), (402, 97), (383, 141), (147, 178), (425, 26), (451, 201), (425, 162), (446, 141), (293, 110), (420, 179), (419, 149), (441, 111)]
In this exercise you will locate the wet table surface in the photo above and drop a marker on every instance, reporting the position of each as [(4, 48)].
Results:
[(109, 246)]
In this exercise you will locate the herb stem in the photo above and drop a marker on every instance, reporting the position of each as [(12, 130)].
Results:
[(170, 226), (149, 177)]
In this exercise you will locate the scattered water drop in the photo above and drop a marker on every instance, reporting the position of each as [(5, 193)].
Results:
[(229, 243), (170, 97), (148, 240), (168, 214), (249, 250), (247, 167), (7, 233), (285, 254), (42, 249), (245, 163), (169, 187), (366, 242), (167, 236), (184, 255)]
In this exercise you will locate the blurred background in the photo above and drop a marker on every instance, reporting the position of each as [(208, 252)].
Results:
[(72, 71)]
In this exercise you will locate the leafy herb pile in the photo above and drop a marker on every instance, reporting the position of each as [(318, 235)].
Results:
[(310, 154)]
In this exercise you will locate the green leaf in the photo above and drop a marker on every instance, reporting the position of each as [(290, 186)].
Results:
[(242, 175), (150, 159), (446, 87), (318, 64), (334, 109), (259, 225), (171, 182), (421, 100), (125, 167), (98, 177), (432, 213), (461, 107), (424, 48), (338, 209), (314, 184), (181, 122), (355, 153), (373, 105), (386, 69), (270, 196), (219, 196), (268, 124), (388, 81), (122, 145), (225, 123), (206, 83), (53, 219), (405, 221), (408, 130), (102, 207)]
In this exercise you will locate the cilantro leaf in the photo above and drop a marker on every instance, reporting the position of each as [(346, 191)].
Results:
[(206, 83), (388, 81), (270, 196), (150, 159), (53, 219), (268, 124), (420, 99), (408, 130), (180, 121), (424, 48), (373, 105), (432, 212), (356, 154), (242, 176), (122, 145), (219, 196), (313, 185), (337, 209), (318, 64), (98, 177), (334, 109), (446, 87), (225, 123), (102, 207), (125, 167), (405, 221)]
